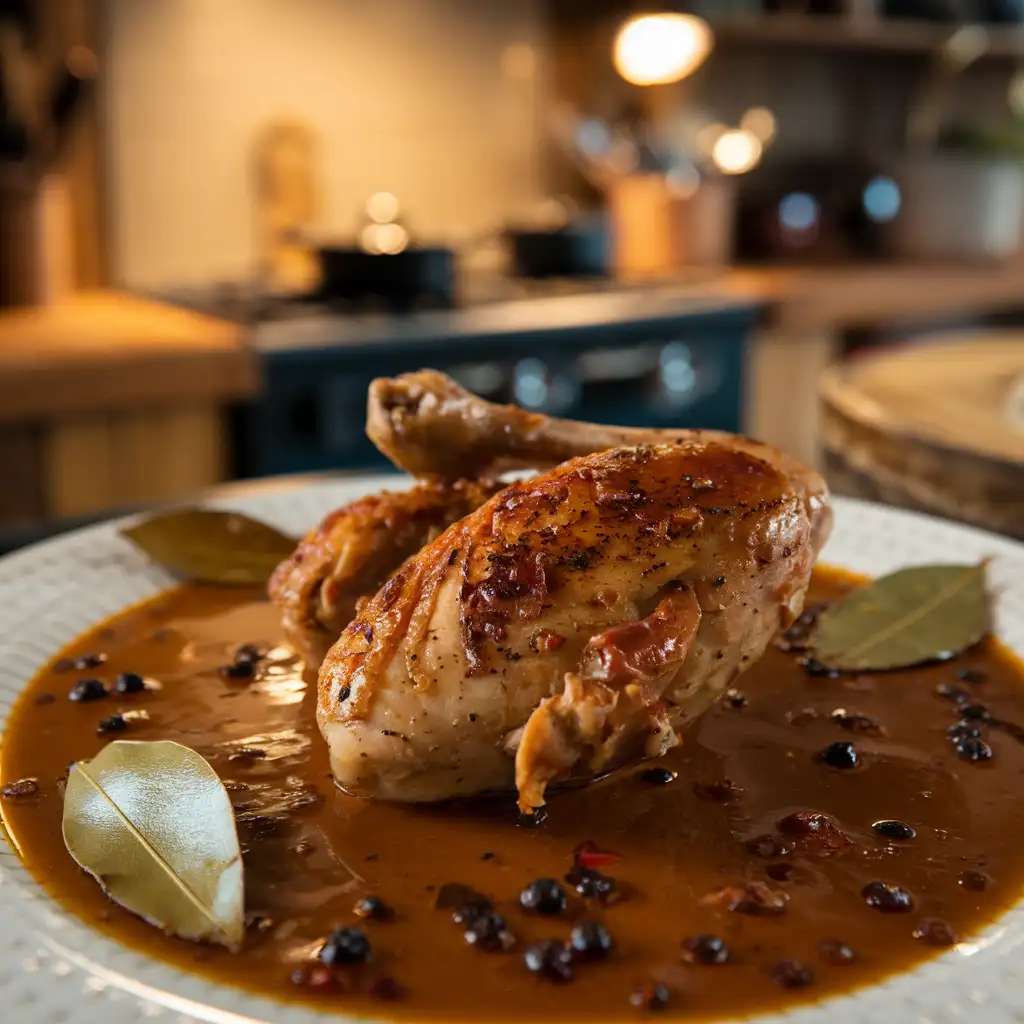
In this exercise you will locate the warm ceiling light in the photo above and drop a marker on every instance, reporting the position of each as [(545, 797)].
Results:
[(655, 49), (736, 151)]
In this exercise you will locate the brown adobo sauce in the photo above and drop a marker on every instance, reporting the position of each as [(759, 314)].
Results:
[(811, 835)]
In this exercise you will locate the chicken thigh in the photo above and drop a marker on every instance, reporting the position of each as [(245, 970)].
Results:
[(353, 551), (573, 622)]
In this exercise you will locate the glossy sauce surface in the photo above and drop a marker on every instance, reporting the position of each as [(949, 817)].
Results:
[(686, 849)]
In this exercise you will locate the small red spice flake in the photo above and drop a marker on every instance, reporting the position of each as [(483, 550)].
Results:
[(315, 976), (544, 640), (20, 788), (817, 833), (589, 855)]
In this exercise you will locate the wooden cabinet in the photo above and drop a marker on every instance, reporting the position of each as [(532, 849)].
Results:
[(108, 401)]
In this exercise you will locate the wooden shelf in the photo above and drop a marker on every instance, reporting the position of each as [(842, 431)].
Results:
[(856, 34)]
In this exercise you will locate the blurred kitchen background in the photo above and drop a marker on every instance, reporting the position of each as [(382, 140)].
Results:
[(220, 219)]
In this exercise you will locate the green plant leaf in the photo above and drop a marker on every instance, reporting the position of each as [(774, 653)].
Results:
[(153, 824), (211, 546), (926, 613)]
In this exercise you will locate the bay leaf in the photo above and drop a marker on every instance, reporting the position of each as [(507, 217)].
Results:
[(211, 546), (925, 613), (153, 824)]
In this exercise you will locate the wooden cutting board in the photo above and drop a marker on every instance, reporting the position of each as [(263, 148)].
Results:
[(936, 426)]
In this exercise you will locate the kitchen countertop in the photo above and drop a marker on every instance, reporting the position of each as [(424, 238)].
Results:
[(106, 350), (871, 294), (563, 314), (798, 299)]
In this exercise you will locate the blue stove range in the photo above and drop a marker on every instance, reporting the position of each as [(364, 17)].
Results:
[(592, 350)]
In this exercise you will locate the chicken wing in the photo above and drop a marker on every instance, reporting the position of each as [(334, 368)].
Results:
[(353, 551), (575, 621)]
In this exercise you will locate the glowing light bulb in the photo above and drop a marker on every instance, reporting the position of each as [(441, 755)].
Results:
[(655, 49), (736, 151), (382, 207), (392, 238), (760, 122)]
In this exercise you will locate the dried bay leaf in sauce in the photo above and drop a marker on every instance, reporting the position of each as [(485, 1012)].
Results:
[(153, 824), (211, 546), (925, 613)]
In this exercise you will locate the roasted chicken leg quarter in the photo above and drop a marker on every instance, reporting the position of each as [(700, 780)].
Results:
[(572, 623), (352, 552)]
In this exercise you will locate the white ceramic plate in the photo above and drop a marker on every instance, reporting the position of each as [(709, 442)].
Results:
[(54, 969)]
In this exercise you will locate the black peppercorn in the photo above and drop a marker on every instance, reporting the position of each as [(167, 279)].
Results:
[(129, 682), (893, 829), (545, 896), (489, 931), (735, 699), (791, 974), (650, 996), (974, 713), (87, 690), (238, 670), (590, 883), (840, 755), (950, 692), (963, 731), (115, 723), (973, 749), (373, 908), (889, 899), (590, 938), (658, 776), (551, 958), (971, 675), (705, 949), (248, 652), (816, 669), (345, 946)]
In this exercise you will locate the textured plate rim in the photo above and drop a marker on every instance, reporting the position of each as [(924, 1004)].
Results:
[(53, 591)]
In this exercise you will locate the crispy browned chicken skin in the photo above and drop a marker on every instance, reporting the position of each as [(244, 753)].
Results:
[(572, 622), (353, 551)]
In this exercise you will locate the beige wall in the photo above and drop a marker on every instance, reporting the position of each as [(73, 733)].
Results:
[(406, 95)]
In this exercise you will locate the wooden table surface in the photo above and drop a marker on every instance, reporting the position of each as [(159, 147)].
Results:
[(105, 350)]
